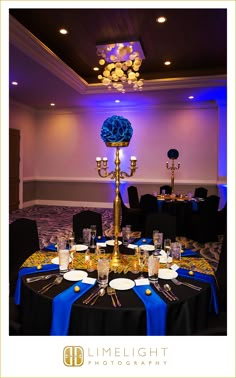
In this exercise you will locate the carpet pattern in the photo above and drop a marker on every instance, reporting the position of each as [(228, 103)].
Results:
[(55, 220)]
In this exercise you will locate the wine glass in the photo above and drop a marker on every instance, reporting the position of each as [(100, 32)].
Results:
[(155, 238), (142, 258), (93, 229), (167, 249)]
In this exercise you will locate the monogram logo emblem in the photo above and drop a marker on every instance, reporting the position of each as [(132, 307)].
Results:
[(73, 356)]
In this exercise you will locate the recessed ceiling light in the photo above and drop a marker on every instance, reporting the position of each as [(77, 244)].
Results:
[(190, 97), (52, 104), (14, 83), (167, 62), (117, 101), (96, 68), (161, 19), (63, 31)]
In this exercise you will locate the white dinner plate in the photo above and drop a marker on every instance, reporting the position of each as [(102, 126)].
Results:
[(147, 247), (81, 247), (56, 260), (75, 275), (111, 242), (167, 274), (122, 284)]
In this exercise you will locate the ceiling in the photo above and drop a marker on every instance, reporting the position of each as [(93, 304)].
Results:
[(51, 67)]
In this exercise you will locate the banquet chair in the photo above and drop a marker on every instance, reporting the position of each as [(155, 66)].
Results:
[(133, 197), (200, 192), (167, 188), (85, 219), (203, 224), (148, 203), (23, 241), (133, 217), (217, 324), (222, 220), (163, 222)]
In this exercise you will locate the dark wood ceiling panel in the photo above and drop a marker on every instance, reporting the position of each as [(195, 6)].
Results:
[(195, 40)]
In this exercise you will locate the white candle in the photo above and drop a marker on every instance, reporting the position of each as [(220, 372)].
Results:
[(104, 159), (133, 158), (98, 159)]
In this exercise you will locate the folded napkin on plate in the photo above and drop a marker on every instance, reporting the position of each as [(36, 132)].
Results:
[(101, 244), (101, 239), (61, 308), (156, 310), (204, 278), (141, 241), (189, 253), (24, 271), (50, 247)]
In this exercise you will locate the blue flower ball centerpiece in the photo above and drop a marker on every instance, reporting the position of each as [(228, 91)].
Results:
[(116, 131)]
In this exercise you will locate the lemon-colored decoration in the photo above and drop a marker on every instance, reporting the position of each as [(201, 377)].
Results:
[(191, 273), (148, 292), (76, 289), (39, 266)]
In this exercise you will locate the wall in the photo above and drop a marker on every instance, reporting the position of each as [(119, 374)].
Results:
[(60, 163)]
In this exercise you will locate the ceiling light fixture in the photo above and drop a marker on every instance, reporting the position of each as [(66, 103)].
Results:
[(167, 63), (63, 31), (121, 63), (161, 19), (14, 83), (52, 104), (190, 97)]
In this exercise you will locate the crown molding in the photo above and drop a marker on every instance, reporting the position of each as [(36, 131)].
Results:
[(21, 38)]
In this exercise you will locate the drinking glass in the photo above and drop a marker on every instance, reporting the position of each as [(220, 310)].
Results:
[(64, 256), (125, 239), (157, 240), (176, 250), (86, 236), (93, 229), (167, 249), (103, 272), (128, 232), (142, 259), (153, 267)]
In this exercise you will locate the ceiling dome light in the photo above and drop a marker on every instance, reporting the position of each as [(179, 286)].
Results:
[(63, 31), (161, 19), (14, 83), (167, 63), (52, 104), (190, 97), (117, 101)]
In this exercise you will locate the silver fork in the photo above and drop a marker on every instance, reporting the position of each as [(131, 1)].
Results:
[(57, 281), (109, 292), (161, 290), (117, 300), (40, 278), (176, 282)]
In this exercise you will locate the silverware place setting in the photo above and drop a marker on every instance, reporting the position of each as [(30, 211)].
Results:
[(40, 278), (55, 282), (177, 282)]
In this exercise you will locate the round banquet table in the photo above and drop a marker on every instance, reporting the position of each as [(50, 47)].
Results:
[(185, 316)]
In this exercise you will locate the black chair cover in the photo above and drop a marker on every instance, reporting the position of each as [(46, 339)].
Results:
[(200, 192), (133, 217), (23, 241), (148, 203), (162, 222), (133, 197), (85, 219), (167, 188)]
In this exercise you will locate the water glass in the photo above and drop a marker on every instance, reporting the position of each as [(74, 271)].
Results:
[(176, 250), (93, 229), (125, 239), (103, 272), (86, 236), (153, 267), (64, 256), (167, 249), (128, 232)]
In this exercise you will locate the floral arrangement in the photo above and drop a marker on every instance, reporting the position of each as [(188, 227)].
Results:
[(173, 154), (116, 129)]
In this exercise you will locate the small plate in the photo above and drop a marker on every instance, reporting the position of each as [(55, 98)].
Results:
[(111, 242), (75, 275), (56, 260), (122, 284), (167, 274), (147, 247), (80, 247)]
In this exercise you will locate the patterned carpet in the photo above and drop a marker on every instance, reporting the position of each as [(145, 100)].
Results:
[(53, 220)]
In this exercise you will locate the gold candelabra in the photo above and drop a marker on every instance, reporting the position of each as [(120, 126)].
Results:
[(172, 168), (102, 167)]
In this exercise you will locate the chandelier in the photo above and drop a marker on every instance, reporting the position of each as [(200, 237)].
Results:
[(120, 63)]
